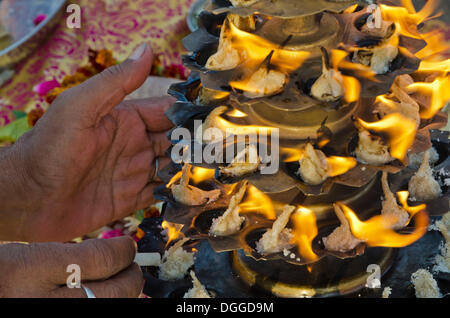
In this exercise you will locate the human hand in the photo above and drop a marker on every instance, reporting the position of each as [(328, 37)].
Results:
[(88, 161), (40, 269)]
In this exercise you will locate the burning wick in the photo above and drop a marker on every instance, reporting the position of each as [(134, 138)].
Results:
[(236, 114), (258, 202), (172, 230), (377, 231), (401, 132), (305, 230)]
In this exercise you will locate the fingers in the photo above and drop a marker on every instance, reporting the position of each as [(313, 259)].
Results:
[(164, 161), (99, 94), (126, 284), (97, 259), (158, 164), (152, 111), (145, 198), (159, 143), (40, 270)]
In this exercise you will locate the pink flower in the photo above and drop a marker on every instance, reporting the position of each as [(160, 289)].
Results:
[(39, 18), (45, 87), (111, 233)]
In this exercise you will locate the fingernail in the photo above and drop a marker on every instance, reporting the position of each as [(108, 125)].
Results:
[(138, 52)]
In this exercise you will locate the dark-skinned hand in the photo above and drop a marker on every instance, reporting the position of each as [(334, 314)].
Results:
[(89, 160)]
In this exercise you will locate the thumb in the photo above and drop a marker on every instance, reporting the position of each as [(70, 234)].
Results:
[(95, 97)]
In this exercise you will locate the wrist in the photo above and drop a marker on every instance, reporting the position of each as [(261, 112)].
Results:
[(15, 196)]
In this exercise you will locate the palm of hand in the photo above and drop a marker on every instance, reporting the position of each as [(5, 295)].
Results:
[(89, 159), (92, 175)]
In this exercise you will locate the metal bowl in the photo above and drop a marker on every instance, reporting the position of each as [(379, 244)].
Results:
[(18, 16), (193, 14)]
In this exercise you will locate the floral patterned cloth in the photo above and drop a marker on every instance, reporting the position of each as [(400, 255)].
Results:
[(121, 28)]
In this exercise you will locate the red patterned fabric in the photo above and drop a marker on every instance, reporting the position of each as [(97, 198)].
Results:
[(162, 23)]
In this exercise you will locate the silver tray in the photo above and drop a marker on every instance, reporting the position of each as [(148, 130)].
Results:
[(17, 17), (195, 10)]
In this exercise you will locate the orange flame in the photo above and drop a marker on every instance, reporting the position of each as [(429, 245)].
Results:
[(258, 202), (174, 179), (305, 230), (140, 233), (235, 113), (220, 95), (200, 174), (258, 49), (231, 188), (386, 101), (291, 154), (323, 142), (406, 19), (431, 54), (197, 175), (436, 45), (173, 231), (352, 87), (435, 66), (340, 165), (338, 61), (351, 9), (377, 231), (412, 210), (431, 61), (235, 129), (401, 132), (439, 92)]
